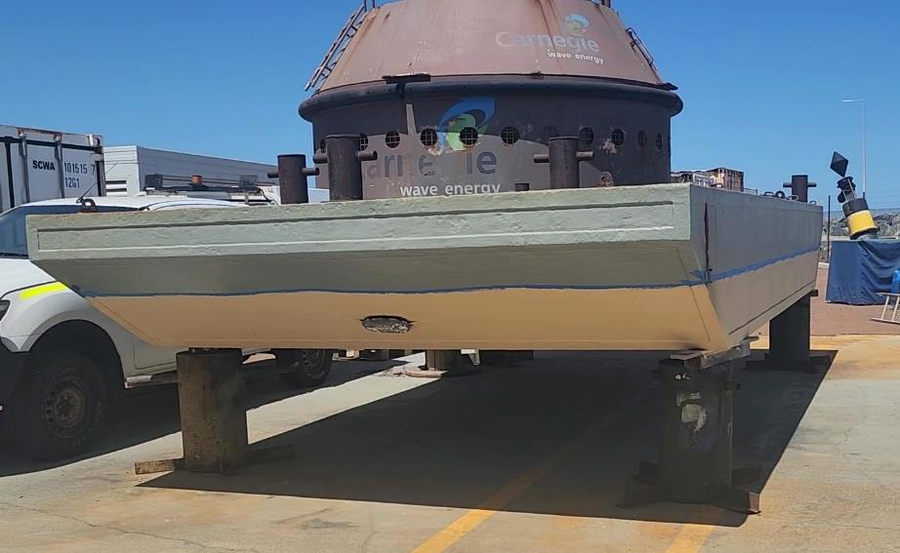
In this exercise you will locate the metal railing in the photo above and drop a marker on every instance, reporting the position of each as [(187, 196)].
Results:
[(638, 44), (247, 189), (339, 46)]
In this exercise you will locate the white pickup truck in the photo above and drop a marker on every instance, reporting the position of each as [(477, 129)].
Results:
[(62, 362)]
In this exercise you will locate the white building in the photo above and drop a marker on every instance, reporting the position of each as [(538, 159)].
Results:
[(127, 168), (720, 177)]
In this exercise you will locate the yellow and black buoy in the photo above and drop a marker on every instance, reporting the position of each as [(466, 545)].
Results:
[(860, 222)]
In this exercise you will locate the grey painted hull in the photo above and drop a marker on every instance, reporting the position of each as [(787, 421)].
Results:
[(654, 267)]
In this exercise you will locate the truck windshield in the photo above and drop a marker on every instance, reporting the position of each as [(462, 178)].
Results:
[(12, 225)]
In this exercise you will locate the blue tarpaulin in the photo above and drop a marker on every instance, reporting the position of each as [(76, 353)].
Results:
[(861, 269)]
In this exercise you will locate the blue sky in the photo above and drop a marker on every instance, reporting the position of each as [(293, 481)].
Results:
[(762, 81)]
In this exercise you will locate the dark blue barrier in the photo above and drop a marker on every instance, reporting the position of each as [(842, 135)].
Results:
[(861, 269)]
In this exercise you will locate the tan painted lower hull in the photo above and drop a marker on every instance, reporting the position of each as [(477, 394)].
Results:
[(710, 316), (625, 319)]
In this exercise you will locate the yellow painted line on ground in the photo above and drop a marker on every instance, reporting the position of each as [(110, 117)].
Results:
[(34, 291), (474, 518), (691, 539)]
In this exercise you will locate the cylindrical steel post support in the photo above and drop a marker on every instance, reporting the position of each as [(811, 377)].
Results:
[(292, 173), (789, 337), (800, 186), (565, 170), (344, 168), (213, 417), (565, 160), (695, 452)]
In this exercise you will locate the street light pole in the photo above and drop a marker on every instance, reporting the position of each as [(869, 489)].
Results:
[(865, 142), (865, 151)]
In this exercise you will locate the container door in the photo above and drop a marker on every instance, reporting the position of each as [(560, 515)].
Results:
[(80, 172), (44, 171), (6, 178)]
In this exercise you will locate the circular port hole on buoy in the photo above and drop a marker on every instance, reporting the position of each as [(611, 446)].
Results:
[(392, 139), (510, 135), (469, 136), (642, 139), (586, 137), (429, 138)]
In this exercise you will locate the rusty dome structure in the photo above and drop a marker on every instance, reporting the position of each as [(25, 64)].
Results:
[(459, 96)]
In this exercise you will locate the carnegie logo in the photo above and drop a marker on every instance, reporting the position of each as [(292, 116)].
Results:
[(574, 25), (471, 112)]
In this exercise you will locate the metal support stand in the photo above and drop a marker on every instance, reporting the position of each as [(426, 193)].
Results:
[(565, 161), (696, 449), (789, 341), (213, 416), (443, 364), (892, 304)]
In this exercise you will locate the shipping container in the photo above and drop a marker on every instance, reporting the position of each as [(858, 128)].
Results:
[(38, 164)]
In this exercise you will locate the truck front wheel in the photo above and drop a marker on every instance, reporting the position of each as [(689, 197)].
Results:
[(305, 368), (58, 407)]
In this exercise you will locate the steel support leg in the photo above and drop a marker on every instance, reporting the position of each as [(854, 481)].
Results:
[(789, 336), (213, 419), (213, 416), (789, 340), (696, 462)]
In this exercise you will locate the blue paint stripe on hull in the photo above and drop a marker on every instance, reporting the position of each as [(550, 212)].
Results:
[(762, 264), (684, 283)]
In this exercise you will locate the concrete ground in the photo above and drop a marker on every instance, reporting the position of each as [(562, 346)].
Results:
[(521, 459), (834, 319)]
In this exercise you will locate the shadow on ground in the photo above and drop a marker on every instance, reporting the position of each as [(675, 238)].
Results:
[(559, 435), (152, 412)]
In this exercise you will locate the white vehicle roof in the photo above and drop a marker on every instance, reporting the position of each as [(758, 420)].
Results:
[(144, 202)]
